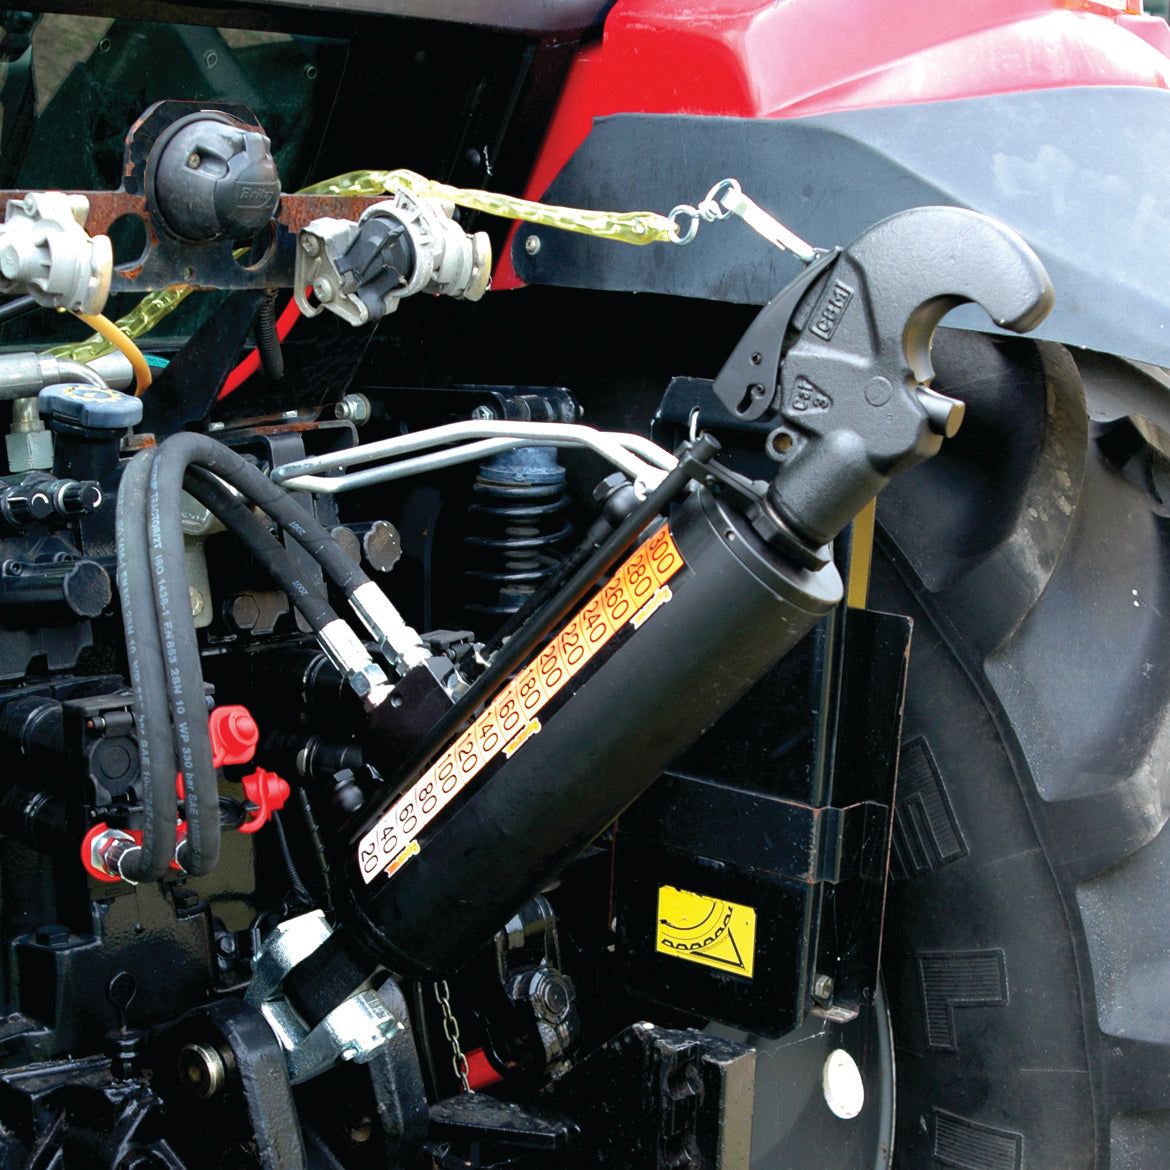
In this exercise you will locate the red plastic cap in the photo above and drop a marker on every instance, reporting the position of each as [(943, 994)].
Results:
[(480, 1070), (234, 735), (269, 793)]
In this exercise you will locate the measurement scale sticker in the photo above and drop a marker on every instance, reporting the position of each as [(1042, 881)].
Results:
[(632, 595), (710, 931)]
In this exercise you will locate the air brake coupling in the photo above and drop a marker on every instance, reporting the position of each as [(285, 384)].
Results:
[(400, 246), (46, 252)]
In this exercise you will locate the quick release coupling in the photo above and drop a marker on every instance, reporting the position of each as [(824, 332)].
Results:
[(400, 246), (46, 252)]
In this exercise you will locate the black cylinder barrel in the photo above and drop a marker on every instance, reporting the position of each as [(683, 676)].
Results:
[(698, 613)]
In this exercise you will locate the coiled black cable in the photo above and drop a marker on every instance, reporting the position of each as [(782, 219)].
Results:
[(267, 341)]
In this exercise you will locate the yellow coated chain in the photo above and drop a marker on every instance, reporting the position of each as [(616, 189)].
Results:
[(625, 227)]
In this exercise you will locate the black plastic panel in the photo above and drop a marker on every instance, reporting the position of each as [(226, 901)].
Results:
[(1082, 173)]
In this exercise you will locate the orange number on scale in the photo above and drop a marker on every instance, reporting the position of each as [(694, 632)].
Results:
[(551, 671), (596, 626), (571, 645), (529, 690), (508, 713), (489, 737), (640, 580), (617, 603)]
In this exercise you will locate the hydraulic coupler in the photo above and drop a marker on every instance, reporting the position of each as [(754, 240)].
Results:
[(703, 607)]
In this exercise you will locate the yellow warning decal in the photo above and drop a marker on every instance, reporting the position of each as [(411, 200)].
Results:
[(702, 929), (635, 591)]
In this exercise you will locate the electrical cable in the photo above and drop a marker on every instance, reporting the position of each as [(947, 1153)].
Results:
[(251, 363), (144, 656), (107, 329), (294, 877), (267, 342)]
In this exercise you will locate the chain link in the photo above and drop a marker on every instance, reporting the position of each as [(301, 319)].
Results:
[(451, 1031), (625, 227)]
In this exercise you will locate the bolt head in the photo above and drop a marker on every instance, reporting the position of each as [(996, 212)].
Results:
[(310, 244), (483, 414), (193, 160), (532, 245), (9, 261), (823, 987), (323, 289)]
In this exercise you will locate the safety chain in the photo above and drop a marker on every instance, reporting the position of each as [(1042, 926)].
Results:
[(451, 1031), (626, 227)]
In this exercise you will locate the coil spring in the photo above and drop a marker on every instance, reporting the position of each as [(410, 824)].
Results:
[(518, 529)]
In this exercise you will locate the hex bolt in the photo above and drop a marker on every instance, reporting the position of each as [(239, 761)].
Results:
[(202, 1070), (555, 998), (822, 987), (483, 414), (354, 408)]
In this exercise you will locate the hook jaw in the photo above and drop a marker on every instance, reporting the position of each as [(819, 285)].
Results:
[(841, 357)]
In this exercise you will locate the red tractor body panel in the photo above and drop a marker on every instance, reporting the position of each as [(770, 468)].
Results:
[(747, 59)]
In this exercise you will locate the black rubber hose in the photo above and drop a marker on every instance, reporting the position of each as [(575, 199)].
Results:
[(239, 519), (184, 670), (180, 641), (17, 307), (181, 451), (144, 655), (267, 342)]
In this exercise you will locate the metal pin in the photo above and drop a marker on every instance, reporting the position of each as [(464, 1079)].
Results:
[(732, 199)]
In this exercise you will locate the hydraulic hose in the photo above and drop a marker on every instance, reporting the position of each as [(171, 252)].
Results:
[(238, 518), (183, 450), (145, 658), (184, 680), (184, 674), (151, 578)]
